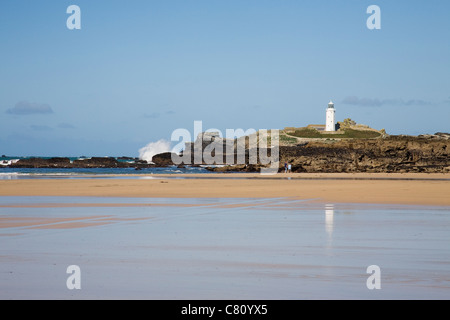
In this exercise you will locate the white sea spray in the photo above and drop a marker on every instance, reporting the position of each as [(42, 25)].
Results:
[(146, 153)]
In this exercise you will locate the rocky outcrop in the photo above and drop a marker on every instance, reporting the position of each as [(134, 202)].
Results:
[(99, 162), (94, 162), (42, 163), (425, 153), (391, 154), (236, 168), (163, 159)]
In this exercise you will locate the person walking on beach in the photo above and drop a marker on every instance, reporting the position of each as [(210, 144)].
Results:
[(289, 168), (285, 167)]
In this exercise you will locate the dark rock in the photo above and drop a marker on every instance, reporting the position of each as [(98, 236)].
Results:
[(97, 162), (94, 162), (163, 159), (236, 168), (144, 165), (390, 154), (42, 163)]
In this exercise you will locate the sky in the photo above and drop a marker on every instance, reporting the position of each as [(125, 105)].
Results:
[(137, 70)]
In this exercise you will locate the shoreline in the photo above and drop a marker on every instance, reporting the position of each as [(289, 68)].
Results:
[(241, 175), (402, 188)]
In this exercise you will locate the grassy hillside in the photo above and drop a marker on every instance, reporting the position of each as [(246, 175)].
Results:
[(346, 133)]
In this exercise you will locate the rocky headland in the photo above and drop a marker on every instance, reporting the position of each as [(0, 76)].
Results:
[(386, 154), (425, 153)]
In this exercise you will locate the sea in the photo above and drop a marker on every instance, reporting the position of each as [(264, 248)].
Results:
[(7, 173)]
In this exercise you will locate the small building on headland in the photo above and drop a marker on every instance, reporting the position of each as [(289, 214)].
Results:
[(318, 127)]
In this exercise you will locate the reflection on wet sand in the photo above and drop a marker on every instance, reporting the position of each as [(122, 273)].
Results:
[(267, 248), (329, 215)]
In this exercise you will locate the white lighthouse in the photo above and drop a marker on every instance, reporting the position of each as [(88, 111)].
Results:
[(330, 124)]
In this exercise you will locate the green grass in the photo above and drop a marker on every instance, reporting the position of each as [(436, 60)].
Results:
[(287, 139), (348, 133)]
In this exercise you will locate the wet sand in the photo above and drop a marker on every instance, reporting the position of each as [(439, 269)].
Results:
[(231, 236), (417, 189), (221, 249)]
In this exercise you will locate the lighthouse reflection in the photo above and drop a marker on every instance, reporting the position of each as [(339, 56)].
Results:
[(329, 215)]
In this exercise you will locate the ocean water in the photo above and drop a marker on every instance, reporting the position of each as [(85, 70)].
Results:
[(27, 173), (128, 248)]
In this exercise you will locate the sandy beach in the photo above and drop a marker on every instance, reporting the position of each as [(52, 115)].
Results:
[(217, 236), (414, 189)]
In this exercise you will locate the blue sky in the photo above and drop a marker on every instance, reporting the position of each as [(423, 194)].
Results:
[(137, 70)]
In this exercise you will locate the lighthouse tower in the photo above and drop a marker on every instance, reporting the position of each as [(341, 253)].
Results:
[(330, 124)]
